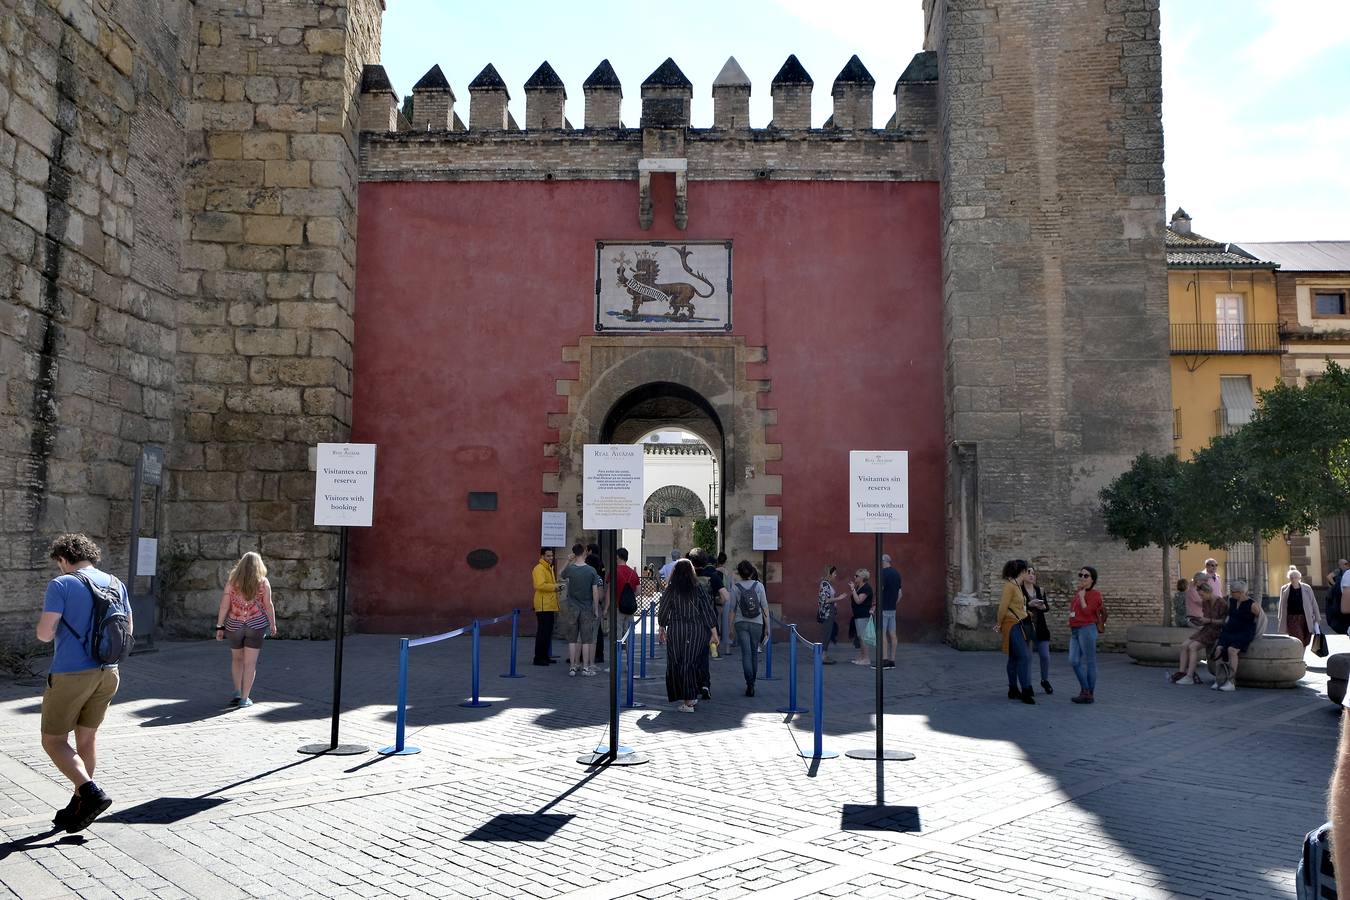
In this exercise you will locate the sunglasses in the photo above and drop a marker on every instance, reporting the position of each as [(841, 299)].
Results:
[(1084, 574)]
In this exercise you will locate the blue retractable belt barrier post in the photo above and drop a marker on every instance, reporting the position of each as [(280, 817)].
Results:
[(642, 643), (768, 649), (792, 706), (475, 703), (400, 723), (629, 702), (818, 750), (515, 636)]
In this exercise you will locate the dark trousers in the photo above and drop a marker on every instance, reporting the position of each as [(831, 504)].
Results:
[(543, 636)]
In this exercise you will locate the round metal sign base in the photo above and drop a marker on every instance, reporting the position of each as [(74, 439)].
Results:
[(888, 755), (339, 750), (624, 759)]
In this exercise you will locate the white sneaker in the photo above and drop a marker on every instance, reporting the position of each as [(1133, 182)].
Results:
[(683, 708), (571, 671), (1228, 686), (588, 672)]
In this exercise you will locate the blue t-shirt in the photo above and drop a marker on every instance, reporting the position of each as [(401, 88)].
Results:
[(890, 588), (68, 596)]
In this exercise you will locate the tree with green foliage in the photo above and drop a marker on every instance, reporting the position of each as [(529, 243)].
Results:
[(1144, 507), (705, 534), (1282, 472)]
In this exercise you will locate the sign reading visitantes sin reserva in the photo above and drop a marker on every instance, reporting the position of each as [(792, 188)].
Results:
[(344, 484), (878, 491)]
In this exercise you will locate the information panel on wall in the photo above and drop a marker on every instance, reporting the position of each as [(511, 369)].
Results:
[(878, 491), (344, 484), (553, 529), (612, 487), (765, 535)]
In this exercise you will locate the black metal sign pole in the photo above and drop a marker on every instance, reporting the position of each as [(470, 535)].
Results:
[(614, 659), (876, 661), (341, 630), (333, 746)]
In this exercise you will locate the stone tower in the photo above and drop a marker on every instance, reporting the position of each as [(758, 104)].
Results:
[(1054, 285), (177, 243), (265, 315)]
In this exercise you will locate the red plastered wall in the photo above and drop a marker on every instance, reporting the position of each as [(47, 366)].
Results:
[(467, 294)]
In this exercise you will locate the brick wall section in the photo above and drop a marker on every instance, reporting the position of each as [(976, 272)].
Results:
[(265, 321), (1055, 293), (714, 154), (91, 161)]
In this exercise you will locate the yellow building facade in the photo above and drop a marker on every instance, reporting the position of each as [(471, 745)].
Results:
[(1225, 348)]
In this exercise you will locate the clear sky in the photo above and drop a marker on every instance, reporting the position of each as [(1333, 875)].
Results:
[(1255, 106)]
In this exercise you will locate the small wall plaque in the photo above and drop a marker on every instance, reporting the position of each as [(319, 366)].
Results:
[(482, 500)]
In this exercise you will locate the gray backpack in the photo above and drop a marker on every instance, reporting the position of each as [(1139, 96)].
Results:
[(747, 601)]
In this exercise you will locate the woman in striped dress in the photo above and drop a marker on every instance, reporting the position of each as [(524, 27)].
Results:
[(688, 625), (246, 614)]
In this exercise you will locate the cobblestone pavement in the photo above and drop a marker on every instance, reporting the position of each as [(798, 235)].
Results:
[(1155, 791)]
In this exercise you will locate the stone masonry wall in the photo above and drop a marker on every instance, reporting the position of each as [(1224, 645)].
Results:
[(91, 163), (1055, 292), (265, 321)]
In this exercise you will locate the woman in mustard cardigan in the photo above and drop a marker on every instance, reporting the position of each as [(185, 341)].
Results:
[(1012, 609)]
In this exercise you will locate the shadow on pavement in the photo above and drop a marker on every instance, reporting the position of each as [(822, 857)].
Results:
[(31, 842)]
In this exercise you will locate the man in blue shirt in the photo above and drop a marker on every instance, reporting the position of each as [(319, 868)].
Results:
[(79, 686), (890, 598)]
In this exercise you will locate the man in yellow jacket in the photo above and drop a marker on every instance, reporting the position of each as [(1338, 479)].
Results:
[(546, 588)]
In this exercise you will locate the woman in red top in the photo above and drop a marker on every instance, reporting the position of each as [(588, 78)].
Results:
[(1084, 613)]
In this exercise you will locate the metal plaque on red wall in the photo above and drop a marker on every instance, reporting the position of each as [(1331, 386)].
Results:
[(662, 286)]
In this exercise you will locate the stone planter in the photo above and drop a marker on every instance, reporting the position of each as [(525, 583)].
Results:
[(1338, 673), (1272, 661), (1155, 645)]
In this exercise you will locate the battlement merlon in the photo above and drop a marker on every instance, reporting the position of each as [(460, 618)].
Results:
[(666, 95)]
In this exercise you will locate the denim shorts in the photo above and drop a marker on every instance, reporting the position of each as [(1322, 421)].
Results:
[(888, 621)]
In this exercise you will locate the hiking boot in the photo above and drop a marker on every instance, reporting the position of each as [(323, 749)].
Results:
[(91, 804), (1045, 686), (63, 816)]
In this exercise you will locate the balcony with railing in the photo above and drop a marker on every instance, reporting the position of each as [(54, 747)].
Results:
[(1194, 339)]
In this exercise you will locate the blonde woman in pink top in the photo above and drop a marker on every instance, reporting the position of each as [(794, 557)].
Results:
[(246, 615)]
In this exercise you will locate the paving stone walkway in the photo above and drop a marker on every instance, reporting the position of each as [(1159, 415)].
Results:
[(1154, 792)]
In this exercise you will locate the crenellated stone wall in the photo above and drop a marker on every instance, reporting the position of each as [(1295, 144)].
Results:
[(91, 168), (264, 362)]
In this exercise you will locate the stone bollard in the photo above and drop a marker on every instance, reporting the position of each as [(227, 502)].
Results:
[(1155, 645), (1272, 661)]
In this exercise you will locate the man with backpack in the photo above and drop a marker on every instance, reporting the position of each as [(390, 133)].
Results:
[(88, 614)]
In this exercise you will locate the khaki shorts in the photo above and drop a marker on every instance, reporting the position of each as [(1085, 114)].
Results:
[(576, 625), (77, 698)]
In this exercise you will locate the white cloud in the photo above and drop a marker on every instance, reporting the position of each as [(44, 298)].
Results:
[(1298, 32)]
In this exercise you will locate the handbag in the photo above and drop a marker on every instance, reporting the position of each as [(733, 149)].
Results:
[(1319, 642), (1102, 615), (1028, 626)]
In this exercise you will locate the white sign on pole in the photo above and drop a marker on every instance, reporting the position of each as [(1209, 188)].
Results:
[(147, 554), (553, 530), (344, 484), (612, 487), (765, 534), (878, 491)]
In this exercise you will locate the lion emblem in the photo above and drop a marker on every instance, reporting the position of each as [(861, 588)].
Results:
[(641, 279)]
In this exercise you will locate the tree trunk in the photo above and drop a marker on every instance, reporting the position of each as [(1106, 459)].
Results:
[(1167, 585), (1258, 587)]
